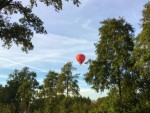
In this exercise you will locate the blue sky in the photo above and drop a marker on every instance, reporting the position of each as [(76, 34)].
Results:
[(71, 31)]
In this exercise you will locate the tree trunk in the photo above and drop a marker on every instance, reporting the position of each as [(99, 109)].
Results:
[(67, 89), (119, 85)]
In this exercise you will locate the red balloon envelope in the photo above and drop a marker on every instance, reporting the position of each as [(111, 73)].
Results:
[(80, 58)]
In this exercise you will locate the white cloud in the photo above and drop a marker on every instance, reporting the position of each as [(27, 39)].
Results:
[(48, 48), (13, 63), (3, 76), (87, 91), (93, 94), (86, 25), (84, 3)]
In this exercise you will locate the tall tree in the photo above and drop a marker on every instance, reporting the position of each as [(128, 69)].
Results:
[(23, 85), (50, 84), (113, 55), (21, 32), (142, 58), (9, 96), (49, 91), (67, 81), (142, 47)]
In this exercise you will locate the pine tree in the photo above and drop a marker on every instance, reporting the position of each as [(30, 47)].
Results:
[(67, 81)]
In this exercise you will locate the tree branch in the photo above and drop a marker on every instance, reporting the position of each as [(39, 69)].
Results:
[(4, 3)]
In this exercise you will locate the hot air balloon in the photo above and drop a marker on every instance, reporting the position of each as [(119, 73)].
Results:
[(80, 58)]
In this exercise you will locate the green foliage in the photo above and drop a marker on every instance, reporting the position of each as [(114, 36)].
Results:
[(20, 91), (18, 32), (49, 91), (142, 52), (135, 83), (21, 32), (52, 92), (57, 4), (74, 105), (113, 51), (142, 63), (50, 85), (67, 81)]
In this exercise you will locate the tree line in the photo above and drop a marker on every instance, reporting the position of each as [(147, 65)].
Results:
[(122, 66), (59, 93)]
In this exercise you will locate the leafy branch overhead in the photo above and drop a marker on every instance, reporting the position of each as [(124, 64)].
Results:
[(21, 32)]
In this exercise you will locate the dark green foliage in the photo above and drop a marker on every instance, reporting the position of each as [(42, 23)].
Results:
[(142, 51), (55, 87), (76, 105), (49, 91), (71, 105), (21, 32), (20, 91), (142, 61), (112, 104), (56, 3), (67, 82), (113, 51), (49, 88)]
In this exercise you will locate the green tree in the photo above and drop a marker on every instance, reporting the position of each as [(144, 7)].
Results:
[(21, 32), (9, 95), (50, 84), (142, 51), (23, 85), (49, 91), (114, 51), (27, 89), (142, 61), (6, 104), (67, 81)]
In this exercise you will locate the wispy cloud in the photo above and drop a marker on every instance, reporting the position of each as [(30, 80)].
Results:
[(86, 25), (47, 49), (3, 76), (20, 64), (84, 3)]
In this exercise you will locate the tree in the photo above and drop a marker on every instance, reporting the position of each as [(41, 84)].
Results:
[(49, 91), (50, 84), (21, 32), (9, 95), (142, 60), (27, 88), (142, 50), (67, 81), (5, 101), (114, 51), (22, 85)]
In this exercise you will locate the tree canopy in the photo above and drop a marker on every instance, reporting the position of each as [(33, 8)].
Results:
[(113, 55), (22, 31)]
